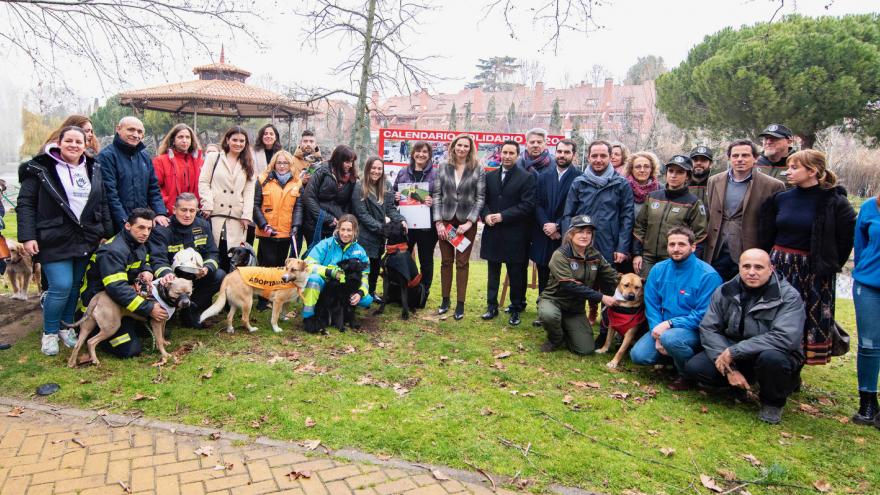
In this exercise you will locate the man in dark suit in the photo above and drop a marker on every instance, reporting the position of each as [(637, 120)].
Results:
[(551, 190), (507, 216)]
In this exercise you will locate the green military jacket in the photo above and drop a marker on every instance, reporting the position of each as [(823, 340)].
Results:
[(663, 210), (698, 188), (573, 277)]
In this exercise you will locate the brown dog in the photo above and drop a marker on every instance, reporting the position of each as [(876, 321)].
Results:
[(240, 294), (20, 270), (107, 316), (627, 318)]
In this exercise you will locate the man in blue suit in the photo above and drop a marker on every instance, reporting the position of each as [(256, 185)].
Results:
[(550, 194)]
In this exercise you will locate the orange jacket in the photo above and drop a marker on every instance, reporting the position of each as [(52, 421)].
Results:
[(275, 205)]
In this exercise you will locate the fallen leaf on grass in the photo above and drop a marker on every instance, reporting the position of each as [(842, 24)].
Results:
[(295, 475), (214, 436), (619, 395), (704, 410), (207, 376), (709, 483), (15, 412), (255, 424), (822, 485), (383, 457), (310, 444), (825, 401), (785, 434), (310, 422), (653, 433), (726, 474), (486, 411), (807, 408), (139, 397), (667, 451), (400, 390), (567, 399), (204, 450), (276, 359), (443, 359), (83, 381), (502, 355), (528, 394), (440, 475), (752, 459), (230, 396)]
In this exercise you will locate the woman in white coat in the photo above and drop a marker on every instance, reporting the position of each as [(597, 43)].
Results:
[(226, 189)]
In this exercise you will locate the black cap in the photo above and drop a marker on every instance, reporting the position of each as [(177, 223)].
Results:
[(777, 131), (701, 151), (581, 221), (681, 161)]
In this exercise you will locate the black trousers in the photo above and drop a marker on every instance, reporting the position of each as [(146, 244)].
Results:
[(224, 254), (516, 272), (375, 266), (775, 372), (203, 291), (425, 240), (543, 277), (272, 251), (127, 342)]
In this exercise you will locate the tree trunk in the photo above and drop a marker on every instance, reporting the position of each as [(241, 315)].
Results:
[(808, 141), (361, 117)]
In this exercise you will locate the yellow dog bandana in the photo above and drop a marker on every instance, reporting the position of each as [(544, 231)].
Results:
[(267, 279)]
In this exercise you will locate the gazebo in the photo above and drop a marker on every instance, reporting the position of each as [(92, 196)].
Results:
[(220, 91)]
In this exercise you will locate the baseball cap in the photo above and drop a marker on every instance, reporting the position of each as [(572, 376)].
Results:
[(681, 161), (701, 151), (777, 130)]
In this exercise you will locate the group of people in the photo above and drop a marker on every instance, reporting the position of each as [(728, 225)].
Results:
[(739, 267)]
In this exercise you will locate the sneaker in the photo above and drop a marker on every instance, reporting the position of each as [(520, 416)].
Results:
[(49, 345), (770, 414), (68, 337)]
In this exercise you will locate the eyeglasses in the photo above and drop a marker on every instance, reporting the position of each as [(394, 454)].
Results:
[(642, 167), (279, 162)]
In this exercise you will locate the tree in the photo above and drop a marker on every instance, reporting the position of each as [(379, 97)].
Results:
[(511, 116), (378, 58), (597, 75), (495, 74), (491, 115), (645, 69), (555, 118), (114, 38), (468, 116), (808, 73), (531, 72), (453, 118), (550, 18), (35, 129)]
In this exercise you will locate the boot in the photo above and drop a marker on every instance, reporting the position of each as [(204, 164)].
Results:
[(868, 409), (444, 306), (459, 311)]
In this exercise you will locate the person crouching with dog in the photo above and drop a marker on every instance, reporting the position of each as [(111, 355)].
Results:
[(575, 268), (187, 230), (120, 265), (62, 217), (324, 259), (277, 212)]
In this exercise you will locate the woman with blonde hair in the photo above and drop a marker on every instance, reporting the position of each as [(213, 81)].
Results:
[(458, 196), (226, 189), (619, 158), (372, 202), (808, 231), (84, 123), (642, 169), (177, 163)]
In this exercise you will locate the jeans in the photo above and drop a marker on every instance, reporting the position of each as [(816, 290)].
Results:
[(775, 372), (867, 302), (65, 278), (679, 343)]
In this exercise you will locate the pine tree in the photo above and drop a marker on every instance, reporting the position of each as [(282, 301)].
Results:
[(453, 118), (555, 118)]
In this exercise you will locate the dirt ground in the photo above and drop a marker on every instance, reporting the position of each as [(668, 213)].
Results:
[(18, 318)]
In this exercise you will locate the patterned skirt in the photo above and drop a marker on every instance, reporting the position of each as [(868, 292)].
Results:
[(818, 294)]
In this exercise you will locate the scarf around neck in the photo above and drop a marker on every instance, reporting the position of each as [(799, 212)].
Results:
[(641, 191), (599, 180), (541, 162)]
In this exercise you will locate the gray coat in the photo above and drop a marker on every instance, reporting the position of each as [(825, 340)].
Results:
[(775, 321), (371, 219), (462, 203)]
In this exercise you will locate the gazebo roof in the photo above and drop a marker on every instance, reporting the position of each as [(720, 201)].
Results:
[(220, 91)]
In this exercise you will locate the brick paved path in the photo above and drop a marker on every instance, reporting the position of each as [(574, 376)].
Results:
[(45, 451)]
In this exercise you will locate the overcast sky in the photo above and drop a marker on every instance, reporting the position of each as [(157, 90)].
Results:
[(458, 32)]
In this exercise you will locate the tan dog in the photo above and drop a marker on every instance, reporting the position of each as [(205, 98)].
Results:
[(107, 316), (627, 318), (20, 270), (240, 295)]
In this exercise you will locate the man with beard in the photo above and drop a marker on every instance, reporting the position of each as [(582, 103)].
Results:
[(776, 140), (507, 217), (702, 158), (535, 158), (307, 157)]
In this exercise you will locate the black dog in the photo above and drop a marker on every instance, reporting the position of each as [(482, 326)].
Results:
[(334, 304), (243, 255), (401, 280)]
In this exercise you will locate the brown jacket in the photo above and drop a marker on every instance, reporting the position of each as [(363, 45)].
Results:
[(761, 187)]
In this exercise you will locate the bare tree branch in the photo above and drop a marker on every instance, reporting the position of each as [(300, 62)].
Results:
[(556, 17)]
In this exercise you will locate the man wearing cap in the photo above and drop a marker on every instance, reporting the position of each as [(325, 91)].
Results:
[(664, 209), (776, 140), (702, 158), (606, 197), (575, 269), (734, 200), (677, 295), (187, 230)]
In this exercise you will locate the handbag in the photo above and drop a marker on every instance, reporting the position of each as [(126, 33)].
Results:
[(839, 340)]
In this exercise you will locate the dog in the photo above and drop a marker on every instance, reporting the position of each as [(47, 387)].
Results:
[(107, 316), (334, 304), (20, 270), (239, 286), (243, 255), (401, 279), (627, 318)]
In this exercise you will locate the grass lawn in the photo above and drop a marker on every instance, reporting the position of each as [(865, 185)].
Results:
[(430, 391)]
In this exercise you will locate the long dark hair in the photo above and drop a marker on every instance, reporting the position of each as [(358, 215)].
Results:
[(168, 140), (244, 158), (340, 155), (258, 142)]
